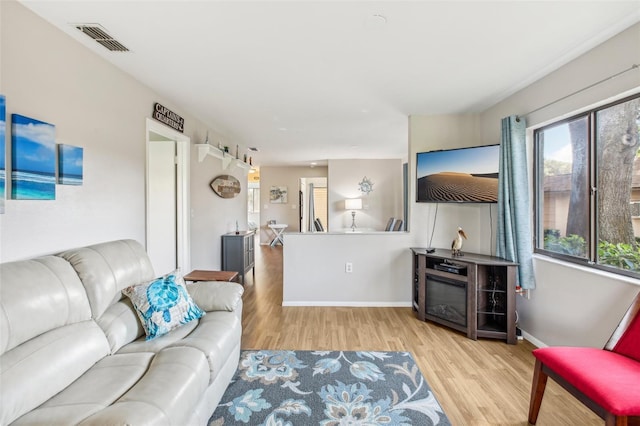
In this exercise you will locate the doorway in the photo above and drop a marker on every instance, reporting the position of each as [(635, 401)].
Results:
[(167, 189), (313, 203), (253, 195)]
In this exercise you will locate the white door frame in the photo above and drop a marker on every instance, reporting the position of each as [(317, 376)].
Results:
[(183, 237)]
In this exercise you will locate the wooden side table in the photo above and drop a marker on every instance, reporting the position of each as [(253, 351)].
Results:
[(200, 275)]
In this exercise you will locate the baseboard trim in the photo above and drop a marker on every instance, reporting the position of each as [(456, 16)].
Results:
[(350, 304), (536, 342)]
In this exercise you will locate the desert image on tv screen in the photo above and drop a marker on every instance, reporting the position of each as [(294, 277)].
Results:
[(467, 175)]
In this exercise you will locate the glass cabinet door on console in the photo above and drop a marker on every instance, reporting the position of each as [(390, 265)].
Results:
[(474, 293)]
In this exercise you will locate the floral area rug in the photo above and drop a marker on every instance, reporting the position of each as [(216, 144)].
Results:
[(328, 388)]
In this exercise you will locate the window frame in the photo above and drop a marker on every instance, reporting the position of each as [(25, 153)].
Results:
[(591, 260)]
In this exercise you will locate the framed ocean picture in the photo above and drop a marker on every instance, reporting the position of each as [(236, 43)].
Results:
[(33, 159), (3, 133), (69, 164)]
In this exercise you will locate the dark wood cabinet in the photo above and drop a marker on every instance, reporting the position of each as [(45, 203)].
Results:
[(473, 293), (238, 253)]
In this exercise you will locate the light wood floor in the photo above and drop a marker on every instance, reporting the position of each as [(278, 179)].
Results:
[(484, 382)]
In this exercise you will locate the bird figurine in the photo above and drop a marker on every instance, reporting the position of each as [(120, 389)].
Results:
[(456, 244)]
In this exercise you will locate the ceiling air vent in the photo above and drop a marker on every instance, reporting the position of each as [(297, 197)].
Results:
[(100, 35)]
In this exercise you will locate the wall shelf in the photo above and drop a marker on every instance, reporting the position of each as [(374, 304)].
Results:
[(227, 159), (241, 164)]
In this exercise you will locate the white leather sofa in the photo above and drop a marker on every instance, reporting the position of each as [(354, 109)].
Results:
[(73, 351)]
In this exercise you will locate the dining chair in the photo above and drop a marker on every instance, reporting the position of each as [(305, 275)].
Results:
[(606, 380), (390, 224)]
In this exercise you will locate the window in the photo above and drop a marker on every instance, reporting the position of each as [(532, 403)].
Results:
[(254, 200), (587, 193), (320, 205)]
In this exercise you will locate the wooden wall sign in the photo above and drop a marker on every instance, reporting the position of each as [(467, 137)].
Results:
[(226, 186), (168, 117)]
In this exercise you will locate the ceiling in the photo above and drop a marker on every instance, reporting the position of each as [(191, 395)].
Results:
[(307, 81)]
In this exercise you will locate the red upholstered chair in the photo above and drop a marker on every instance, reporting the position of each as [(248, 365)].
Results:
[(605, 380)]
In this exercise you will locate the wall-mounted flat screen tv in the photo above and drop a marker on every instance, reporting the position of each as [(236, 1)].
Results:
[(465, 175)]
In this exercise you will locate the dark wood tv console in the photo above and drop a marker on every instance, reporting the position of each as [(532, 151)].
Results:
[(473, 293)]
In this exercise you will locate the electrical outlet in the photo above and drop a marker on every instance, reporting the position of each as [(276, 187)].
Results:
[(348, 267)]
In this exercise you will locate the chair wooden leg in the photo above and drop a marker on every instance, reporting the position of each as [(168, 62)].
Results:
[(538, 385), (612, 420)]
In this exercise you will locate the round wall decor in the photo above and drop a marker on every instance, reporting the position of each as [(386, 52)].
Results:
[(226, 186), (366, 186)]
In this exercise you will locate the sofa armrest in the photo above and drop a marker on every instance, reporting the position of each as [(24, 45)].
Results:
[(216, 295)]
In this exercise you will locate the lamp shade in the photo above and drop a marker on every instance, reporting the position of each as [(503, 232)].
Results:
[(353, 204)]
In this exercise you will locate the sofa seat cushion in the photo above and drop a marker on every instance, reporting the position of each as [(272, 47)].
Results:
[(139, 389), (166, 395), (38, 369), (215, 335), (99, 387), (609, 379), (121, 324), (159, 343)]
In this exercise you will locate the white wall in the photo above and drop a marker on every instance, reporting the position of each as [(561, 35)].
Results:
[(211, 215), (378, 206), (314, 269), (283, 213), (314, 264), (48, 76), (571, 306), (428, 133)]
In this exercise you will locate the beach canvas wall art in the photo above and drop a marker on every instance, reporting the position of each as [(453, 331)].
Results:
[(3, 162), (33, 159), (70, 164)]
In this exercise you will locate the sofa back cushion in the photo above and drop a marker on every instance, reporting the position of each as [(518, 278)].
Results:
[(120, 324), (106, 268), (36, 296), (40, 368), (47, 337)]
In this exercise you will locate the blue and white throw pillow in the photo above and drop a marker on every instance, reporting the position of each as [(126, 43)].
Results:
[(163, 304)]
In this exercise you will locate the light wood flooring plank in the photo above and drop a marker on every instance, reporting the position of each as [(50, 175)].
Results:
[(483, 382)]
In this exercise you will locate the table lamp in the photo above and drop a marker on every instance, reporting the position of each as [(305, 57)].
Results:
[(353, 204)]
